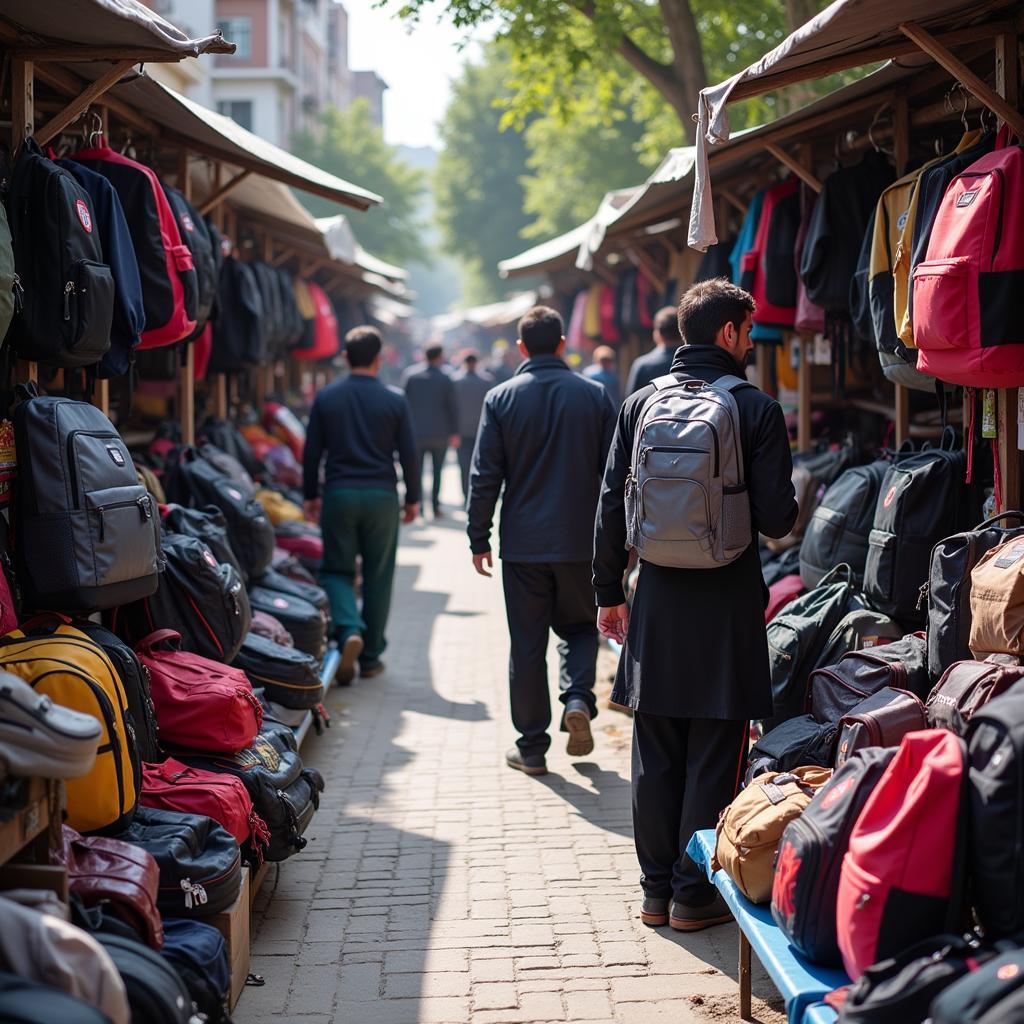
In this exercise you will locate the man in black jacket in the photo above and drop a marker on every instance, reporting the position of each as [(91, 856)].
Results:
[(694, 665), (659, 360), (544, 435)]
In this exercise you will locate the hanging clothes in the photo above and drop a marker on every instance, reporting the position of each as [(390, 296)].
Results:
[(744, 242), (592, 312), (575, 336), (609, 328)]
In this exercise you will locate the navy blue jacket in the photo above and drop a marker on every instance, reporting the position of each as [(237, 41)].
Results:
[(431, 396), (360, 424), (647, 367)]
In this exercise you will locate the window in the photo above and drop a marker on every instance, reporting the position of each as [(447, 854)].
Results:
[(239, 32), (240, 111)]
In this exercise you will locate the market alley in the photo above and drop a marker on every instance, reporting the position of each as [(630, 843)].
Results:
[(441, 887)]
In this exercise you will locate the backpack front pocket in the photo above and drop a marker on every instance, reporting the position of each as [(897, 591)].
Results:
[(674, 509), (88, 310), (946, 307)]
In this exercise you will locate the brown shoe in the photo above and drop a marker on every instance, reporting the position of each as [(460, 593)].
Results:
[(577, 721), (370, 669), (351, 648), (530, 764), (685, 918), (654, 911)]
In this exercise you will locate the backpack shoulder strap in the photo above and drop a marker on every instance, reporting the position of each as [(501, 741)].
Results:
[(667, 380), (730, 382)]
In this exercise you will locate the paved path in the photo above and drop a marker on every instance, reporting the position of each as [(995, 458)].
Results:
[(440, 887)]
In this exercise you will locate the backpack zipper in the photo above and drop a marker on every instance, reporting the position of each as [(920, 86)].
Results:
[(142, 504), (668, 448), (68, 289), (18, 292)]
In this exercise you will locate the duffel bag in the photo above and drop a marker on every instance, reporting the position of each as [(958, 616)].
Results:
[(838, 689), (749, 831), (199, 955), (156, 994), (949, 588), (798, 741), (200, 704), (304, 541), (27, 1002), (288, 676), (881, 720), (284, 793), (198, 597), (206, 524), (990, 994), (315, 595), (964, 688), (304, 622), (199, 862), (269, 628), (997, 601), (811, 852), (173, 786)]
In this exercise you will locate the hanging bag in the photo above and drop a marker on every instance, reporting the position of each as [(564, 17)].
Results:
[(997, 601)]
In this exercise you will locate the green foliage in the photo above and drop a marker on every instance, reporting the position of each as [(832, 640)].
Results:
[(348, 144)]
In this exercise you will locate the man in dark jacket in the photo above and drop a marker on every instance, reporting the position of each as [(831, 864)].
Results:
[(658, 361), (360, 424), (435, 417), (471, 385), (544, 436), (694, 665)]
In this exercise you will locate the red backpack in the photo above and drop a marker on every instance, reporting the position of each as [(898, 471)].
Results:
[(903, 876), (780, 202), (325, 327), (173, 786), (200, 704), (967, 322)]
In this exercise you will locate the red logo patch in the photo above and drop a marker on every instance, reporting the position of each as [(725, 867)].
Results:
[(187, 221), (787, 867), (890, 495), (84, 215), (237, 495), (208, 557), (836, 793), (1007, 971), (280, 602)]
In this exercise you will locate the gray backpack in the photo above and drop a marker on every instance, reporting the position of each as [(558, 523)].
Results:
[(687, 505)]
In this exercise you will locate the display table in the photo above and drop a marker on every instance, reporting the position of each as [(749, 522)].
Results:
[(803, 985)]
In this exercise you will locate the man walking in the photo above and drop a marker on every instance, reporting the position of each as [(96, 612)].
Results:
[(435, 421), (544, 437), (602, 369), (471, 385), (658, 361), (360, 425), (694, 666)]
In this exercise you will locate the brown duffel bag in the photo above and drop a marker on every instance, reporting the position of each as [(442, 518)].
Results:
[(997, 601), (750, 828), (965, 687)]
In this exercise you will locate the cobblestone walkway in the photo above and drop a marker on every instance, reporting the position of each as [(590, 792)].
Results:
[(441, 887)]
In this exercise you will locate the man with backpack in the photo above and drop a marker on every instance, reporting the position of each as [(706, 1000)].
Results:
[(659, 360), (695, 472), (360, 424), (544, 437)]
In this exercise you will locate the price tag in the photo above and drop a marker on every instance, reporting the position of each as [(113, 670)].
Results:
[(988, 414)]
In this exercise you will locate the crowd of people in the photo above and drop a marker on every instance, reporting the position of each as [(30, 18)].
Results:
[(562, 451)]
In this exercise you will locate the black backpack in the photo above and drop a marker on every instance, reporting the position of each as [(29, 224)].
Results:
[(237, 335), (156, 993), (990, 994), (919, 503), (198, 597), (780, 278), (288, 676), (229, 439), (949, 588), (67, 290), (306, 623), (196, 235), (995, 739), (290, 308), (29, 1002), (811, 854), (87, 535), (796, 742), (860, 629), (206, 524), (199, 955), (839, 527), (275, 330), (273, 580), (797, 636)]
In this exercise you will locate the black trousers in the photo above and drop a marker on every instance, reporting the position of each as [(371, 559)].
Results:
[(466, 446), (437, 452), (541, 597), (685, 771)]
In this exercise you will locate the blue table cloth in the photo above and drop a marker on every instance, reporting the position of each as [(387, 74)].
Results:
[(802, 984)]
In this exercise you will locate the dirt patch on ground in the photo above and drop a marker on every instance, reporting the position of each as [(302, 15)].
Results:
[(728, 1008)]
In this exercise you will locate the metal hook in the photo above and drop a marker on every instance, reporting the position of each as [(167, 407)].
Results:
[(874, 124), (96, 135)]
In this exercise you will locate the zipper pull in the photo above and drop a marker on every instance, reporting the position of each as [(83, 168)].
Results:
[(643, 456), (922, 595), (19, 294), (99, 512), (144, 508), (68, 289)]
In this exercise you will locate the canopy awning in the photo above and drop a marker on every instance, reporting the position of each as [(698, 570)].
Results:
[(847, 34), (113, 29), (493, 314), (343, 245)]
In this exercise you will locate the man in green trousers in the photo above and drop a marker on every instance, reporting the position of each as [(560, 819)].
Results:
[(360, 425)]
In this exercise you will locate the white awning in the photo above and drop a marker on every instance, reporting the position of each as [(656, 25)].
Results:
[(493, 314), (343, 245)]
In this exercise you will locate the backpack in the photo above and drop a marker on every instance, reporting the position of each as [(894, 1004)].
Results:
[(156, 994), (839, 527), (861, 630), (200, 598), (304, 541), (23, 1001), (811, 853), (165, 263), (965, 687), (87, 535), (206, 524), (63, 663), (797, 741), (806, 488), (997, 601), (201, 704), (992, 993), (309, 592), (325, 327), (918, 504), (881, 720), (767, 269), (66, 292), (195, 234), (798, 635), (237, 332), (750, 829), (835, 690), (306, 623), (278, 508), (965, 292), (949, 588), (287, 676), (686, 501), (269, 628), (199, 956), (903, 876)]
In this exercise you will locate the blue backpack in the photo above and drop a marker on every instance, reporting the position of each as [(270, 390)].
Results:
[(199, 954)]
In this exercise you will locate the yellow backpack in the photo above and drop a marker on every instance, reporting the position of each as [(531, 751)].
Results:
[(278, 508), (73, 670)]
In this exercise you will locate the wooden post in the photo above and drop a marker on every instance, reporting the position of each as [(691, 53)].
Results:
[(220, 396), (744, 978), (902, 416), (23, 122), (803, 386)]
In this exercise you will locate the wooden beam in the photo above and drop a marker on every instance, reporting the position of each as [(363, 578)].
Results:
[(803, 416), (794, 165), (902, 414), (23, 124), (63, 81), (88, 54), (101, 396), (82, 102), (223, 192), (220, 396), (187, 395), (935, 49), (733, 200), (282, 257), (647, 267)]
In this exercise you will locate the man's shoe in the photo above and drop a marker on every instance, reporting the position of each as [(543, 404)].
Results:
[(577, 721), (369, 669), (528, 764), (685, 918), (351, 647), (654, 911), (438, 514)]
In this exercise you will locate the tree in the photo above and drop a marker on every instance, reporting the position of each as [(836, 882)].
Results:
[(351, 146)]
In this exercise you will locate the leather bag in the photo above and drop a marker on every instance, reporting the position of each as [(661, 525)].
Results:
[(997, 601), (964, 688), (881, 720)]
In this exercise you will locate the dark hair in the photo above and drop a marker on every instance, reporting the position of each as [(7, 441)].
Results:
[(707, 307), (541, 330), (362, 346), (433, 352), (666, 324)]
